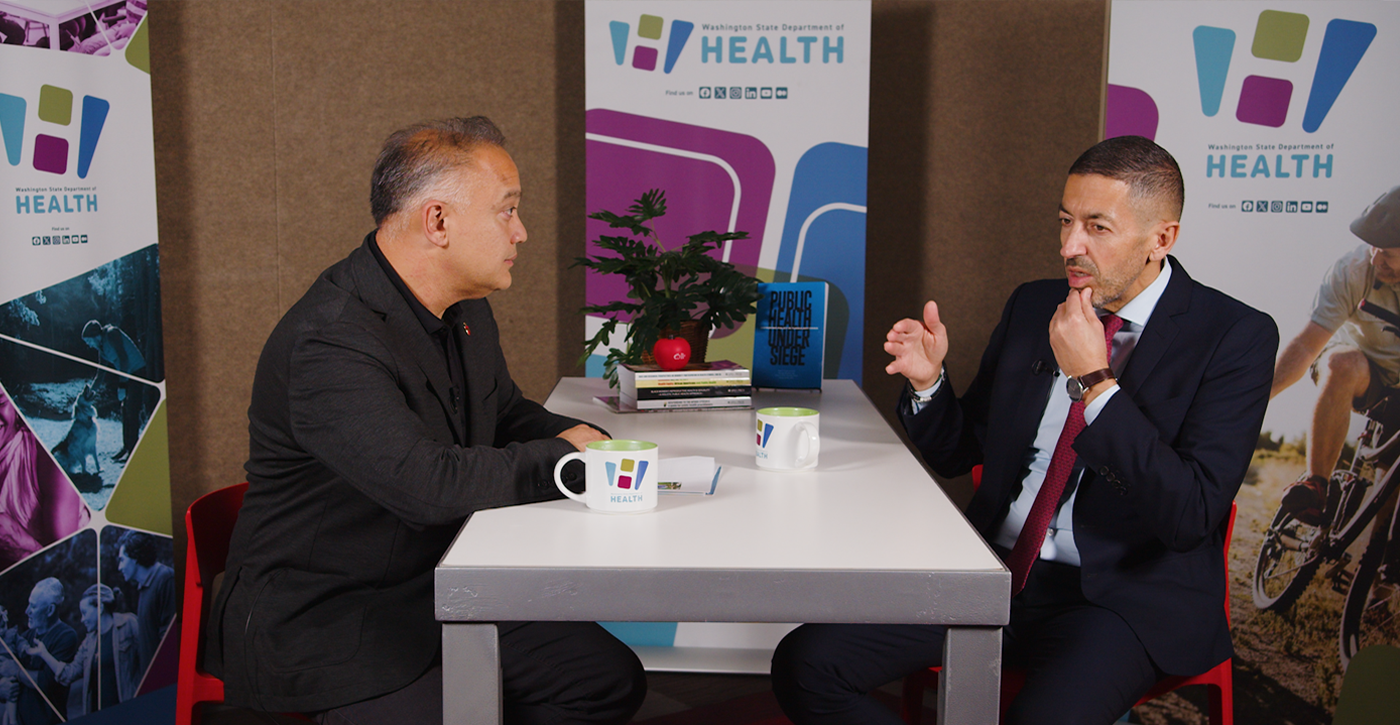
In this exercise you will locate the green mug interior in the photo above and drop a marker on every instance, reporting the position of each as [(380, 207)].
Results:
[(621, 445), (787, 412)]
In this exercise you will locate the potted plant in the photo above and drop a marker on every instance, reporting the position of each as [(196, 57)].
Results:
[(667, 291)]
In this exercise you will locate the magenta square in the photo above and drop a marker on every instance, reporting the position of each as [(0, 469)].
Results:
[(1264, 101), (50, 154), (644, 58)]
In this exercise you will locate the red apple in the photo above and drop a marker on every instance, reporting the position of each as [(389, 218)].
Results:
[(671, 353)]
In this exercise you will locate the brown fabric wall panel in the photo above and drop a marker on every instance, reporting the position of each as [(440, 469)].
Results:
[(978, 108), (211, 68), (348, 74)]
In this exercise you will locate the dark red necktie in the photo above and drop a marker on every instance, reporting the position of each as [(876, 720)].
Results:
[(1032, 535)]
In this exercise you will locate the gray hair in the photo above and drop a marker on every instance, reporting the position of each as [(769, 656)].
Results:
[(50, 589), (414, 159)]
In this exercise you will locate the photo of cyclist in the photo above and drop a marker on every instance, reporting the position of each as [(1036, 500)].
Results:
[(1351, 346)]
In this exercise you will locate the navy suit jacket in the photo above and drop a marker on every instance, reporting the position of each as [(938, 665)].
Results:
[(1162, 461)]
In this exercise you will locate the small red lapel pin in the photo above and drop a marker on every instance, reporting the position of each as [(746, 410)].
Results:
[(466, 329)]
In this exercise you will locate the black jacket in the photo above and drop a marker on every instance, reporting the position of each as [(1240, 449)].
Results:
[(359, 476)]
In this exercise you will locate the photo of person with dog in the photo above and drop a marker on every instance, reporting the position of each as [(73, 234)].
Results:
[(89, 416)]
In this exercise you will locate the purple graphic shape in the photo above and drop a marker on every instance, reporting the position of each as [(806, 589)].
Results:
[(644, 58), (50, 154), (699, 192), (1129, 111), (1264, 101)]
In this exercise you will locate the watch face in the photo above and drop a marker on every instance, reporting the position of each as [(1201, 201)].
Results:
[(1075, 389)]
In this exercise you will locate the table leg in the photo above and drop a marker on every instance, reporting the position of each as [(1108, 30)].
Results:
[(471, 674), (969, 688)]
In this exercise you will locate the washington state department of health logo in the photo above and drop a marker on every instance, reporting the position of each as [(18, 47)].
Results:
[(1280, 37), (55, 113), (627, 474), (764, 430), (645, 50)]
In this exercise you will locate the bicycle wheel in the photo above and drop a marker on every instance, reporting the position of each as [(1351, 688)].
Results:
[(1286, 564), (1370, 613)]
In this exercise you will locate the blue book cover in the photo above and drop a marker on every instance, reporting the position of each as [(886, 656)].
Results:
[(790, 327)]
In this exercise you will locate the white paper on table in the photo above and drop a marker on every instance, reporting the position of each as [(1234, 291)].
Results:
[(687, 474)]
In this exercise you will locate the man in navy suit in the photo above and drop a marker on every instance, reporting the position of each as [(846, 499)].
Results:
[(1118, 576)]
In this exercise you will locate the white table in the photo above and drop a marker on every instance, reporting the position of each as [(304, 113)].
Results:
[(868, 537)]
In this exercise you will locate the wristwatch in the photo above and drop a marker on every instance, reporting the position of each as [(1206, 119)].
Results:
[(1077, 387)]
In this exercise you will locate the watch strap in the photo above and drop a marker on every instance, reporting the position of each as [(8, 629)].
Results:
[(1091, 379)]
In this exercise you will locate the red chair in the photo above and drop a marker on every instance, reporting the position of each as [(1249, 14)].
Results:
[(1219, 679), (208, 526)]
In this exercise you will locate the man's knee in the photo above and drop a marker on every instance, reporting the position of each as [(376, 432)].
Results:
[(1347, 368), (796, 660)]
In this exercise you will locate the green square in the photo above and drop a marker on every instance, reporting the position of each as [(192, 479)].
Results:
[(628, 464), (1280, 36), (55, 105), (650, 27)]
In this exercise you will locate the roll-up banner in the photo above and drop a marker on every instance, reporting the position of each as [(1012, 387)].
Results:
[(753, 117), (87, 592), (1283, 116)]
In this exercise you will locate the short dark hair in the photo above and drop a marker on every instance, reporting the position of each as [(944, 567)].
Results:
[(140, 548), (1148, 170), (414, 157)]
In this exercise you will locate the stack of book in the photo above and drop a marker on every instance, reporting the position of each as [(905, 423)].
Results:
[(721, 384)]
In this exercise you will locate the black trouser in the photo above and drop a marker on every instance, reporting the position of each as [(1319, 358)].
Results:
[(1083, 663), (551, 672)]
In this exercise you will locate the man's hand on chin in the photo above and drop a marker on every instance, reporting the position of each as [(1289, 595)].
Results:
[(1076, 335)]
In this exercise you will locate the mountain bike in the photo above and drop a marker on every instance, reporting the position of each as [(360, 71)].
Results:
[(1292, 551)]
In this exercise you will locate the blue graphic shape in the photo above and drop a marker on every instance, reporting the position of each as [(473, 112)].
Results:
[(643, 634), (767, 431), (1214, 46), (12, 110), (94, 116), (680, 32), (619, 38), (641, 474), (611, 469), (828, 200), (1342, 47)]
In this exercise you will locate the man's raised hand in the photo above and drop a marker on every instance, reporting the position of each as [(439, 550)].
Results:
[(918, 348)]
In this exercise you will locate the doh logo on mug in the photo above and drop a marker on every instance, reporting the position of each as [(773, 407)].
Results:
[(764, 430), (632, 473)]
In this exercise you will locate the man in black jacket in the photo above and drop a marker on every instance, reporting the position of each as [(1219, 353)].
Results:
[(382, 416)]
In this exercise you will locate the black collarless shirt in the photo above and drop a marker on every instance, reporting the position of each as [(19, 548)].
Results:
[(447, 330)]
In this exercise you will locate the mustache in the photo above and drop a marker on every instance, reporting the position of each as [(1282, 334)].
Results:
[(1082, 263)]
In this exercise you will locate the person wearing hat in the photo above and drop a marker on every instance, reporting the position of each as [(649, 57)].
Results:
[(111, 671), (1353, 355)]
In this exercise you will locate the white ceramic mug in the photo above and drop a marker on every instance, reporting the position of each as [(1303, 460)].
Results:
[(787, 439), (619, 476)]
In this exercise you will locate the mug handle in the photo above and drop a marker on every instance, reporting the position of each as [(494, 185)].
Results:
[(814, 444), (559, 472)]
